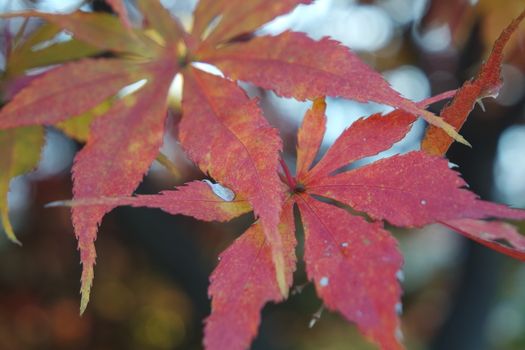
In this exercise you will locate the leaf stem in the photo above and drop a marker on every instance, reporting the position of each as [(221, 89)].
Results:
[(168, 164), (289, 178)]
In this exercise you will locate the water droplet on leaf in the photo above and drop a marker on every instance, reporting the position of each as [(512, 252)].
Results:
[(221, 191), (323, 282), (399, 308), (400, 275)]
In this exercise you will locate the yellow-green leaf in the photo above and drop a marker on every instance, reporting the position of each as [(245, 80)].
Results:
[(19, 153)]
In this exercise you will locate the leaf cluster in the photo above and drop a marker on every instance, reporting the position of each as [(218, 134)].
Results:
[(353, 261)]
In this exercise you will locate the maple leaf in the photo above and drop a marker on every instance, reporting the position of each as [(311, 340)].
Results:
[(66, 91), (21, 53), (224, 132), (486, 84), (101, 30), (19, 154), (114, 152), (343, 251), (227, 151), (236, 17), (244, 281), (337, 72), (195, 199)]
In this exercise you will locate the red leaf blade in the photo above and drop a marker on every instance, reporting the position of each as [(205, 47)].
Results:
[(354, 265), (161, 20), (367, 137), (238, 16), (310, 74), (235, 145), (364, 138), (244, 282), (489, 233), (116, 158), (407, 190), (310, 136), (194, 199), (67, 91)]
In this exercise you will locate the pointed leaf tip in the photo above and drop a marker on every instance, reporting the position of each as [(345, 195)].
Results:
[(86, 284), (7, 226), (280, 271), (19, 153), (346, 254), (486, 83), (244, 281), (310, 136), (115, 152)]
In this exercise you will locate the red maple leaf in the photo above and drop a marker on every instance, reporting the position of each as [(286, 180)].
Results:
[(225, 133), (343, 250), (155, 53)]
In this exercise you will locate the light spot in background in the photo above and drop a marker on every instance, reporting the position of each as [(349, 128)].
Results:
[(183, 10), (300, 18), (289, 107), (175, 91), (2, 61), (505, 324), (323, 282), (60, 37), (14, 24), (58, 5), (509, 168), (409, 81), (434, 39), (57, 155), (404, 11), (131, 88), (360, 27), (367, 28), (340, 115), (208, 68), (427, 251), (412, 83), (514, 85), (19, 191)]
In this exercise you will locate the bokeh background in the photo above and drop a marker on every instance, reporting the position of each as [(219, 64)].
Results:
[(152, 271)]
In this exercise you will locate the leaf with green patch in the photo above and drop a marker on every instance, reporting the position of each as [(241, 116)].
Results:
[(101, 30), (237, 17), (68, 90), (19, 153), (116, 158)]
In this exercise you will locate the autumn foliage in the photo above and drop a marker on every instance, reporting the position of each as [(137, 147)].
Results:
[(352, 260)]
